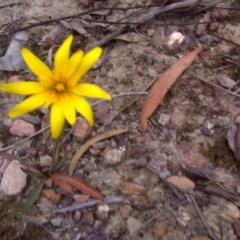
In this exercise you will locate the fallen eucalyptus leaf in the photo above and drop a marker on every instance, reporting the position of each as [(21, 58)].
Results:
[(163, 84)]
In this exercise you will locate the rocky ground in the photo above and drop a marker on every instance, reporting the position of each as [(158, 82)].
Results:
[(180, 181)]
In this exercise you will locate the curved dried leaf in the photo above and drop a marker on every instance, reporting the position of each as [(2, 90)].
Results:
[(88, 144), (163, 84), (80, 185)]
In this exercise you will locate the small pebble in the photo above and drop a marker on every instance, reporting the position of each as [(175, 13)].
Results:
[(21, 128), (158, 164), (57, 221), (51, 195), (14, 179), (182, 183), (139, 202), (81, 129), (125, 211), (165, 174), (45, 161), (130, 187), (133, 224), (87, 217), (114, 156), (102, 212), (77, 215)]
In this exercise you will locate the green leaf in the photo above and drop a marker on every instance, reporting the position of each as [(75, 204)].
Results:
[(34, 194), (33, 173), (60, 163)]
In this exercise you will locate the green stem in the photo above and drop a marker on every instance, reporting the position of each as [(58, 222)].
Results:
[(56, 152)]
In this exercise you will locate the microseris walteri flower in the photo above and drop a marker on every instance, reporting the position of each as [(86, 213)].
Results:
[(60, 89)]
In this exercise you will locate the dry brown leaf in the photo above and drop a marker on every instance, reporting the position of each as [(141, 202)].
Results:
[(61, 183), (88, 144), (131, 37), (77, 183), (163, 84)]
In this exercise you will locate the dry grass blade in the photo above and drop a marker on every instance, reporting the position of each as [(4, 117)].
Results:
[(163, 84), (88, 144), (79, 184)]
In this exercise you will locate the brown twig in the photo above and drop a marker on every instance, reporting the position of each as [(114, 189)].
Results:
[(10, 3), (25, 139), (222, 96), (156, 217), (88, 204), (145, 17), (213, 84)]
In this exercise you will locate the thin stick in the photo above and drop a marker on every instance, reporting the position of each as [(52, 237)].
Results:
[(120, 95), (10, 2), (222, 96), (25, 139), (215, 85), (143, 18), (109, 200), (203, 220), (156, 217)]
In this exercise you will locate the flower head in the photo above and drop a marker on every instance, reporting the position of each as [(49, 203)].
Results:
[(60, 89)]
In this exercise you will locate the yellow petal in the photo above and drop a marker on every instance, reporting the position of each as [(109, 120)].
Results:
[(22, 88), (90, 90), (83, 107), (28, 105), (87, 62), (68, 108), (73, 65), (62, 58), (57, 119), (38, 67)]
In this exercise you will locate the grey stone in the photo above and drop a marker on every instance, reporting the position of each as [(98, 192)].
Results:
[(14, 179)]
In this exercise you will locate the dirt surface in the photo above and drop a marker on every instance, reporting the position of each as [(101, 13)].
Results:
[(186, 136)]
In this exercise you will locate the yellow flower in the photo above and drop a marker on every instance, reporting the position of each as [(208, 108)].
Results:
[(60, 89)]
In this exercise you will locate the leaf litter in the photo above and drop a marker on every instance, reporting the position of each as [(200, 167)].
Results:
[(163, 84)]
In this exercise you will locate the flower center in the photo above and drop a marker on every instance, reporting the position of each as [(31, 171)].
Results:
[(60, 87)]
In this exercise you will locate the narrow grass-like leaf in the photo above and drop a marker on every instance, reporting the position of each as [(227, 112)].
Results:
[(33, 173), (34, 194), (60, 163)]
